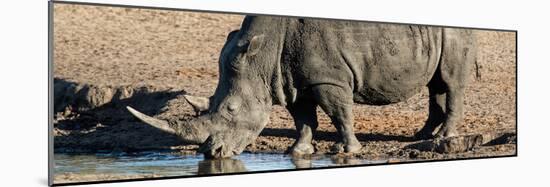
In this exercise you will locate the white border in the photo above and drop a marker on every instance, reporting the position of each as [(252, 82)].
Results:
[(463, 13)]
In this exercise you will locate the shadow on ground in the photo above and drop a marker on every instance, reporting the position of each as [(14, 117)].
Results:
[(93, 118), (333, 136)]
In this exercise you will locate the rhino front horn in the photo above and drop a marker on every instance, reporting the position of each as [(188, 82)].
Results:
[(159, 124), (200, 104)]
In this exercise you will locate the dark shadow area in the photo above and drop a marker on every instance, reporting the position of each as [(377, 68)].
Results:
[(83, 127), (505, 138), (333, 136)]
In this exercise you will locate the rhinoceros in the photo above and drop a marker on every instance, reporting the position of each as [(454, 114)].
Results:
[(305, 63)]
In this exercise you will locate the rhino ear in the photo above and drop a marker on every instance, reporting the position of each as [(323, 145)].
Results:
[(199, 104), (255, 44), (232, 34)]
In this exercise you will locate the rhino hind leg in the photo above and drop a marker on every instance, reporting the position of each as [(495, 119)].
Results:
[(305, 119), (446, 106), (454, 114), (458, 56), (337, 103)]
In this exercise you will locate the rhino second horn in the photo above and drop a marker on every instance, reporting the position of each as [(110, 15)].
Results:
[(199, 104), (159, 124)]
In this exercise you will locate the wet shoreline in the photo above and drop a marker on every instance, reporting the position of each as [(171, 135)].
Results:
[(78, 167)]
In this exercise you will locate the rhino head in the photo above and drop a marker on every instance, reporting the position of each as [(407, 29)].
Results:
[(235, 115)]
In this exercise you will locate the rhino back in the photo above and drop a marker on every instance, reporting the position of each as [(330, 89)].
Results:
[(381, 63)]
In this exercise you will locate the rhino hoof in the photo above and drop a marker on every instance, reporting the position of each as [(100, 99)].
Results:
[(446, 133), (302, 149), (349, 148)]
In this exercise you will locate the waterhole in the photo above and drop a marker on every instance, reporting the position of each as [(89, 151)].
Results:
[(173, 164)]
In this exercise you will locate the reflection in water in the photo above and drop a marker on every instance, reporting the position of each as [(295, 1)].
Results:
[(174, 164), (301, 162), (220, 166), (337, 160)]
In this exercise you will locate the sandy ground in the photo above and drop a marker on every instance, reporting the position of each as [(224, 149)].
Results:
[(106, 58)]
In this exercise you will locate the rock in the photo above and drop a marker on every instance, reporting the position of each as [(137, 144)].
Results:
[(459, 144)]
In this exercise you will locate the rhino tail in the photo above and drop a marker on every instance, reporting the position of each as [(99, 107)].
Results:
[(478, 73)]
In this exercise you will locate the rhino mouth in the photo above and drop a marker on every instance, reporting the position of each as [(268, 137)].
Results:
[(224, 145), (219, 152)]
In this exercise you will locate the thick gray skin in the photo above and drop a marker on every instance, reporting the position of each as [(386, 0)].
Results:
[(305, 63)]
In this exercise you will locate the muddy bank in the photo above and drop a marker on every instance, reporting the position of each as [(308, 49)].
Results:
[(106, 58), (76, 177)]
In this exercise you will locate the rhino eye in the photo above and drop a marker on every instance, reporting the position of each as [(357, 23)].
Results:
[(237, 63), (232, 107)]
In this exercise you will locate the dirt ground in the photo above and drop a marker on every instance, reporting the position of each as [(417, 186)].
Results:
[(106, 58)]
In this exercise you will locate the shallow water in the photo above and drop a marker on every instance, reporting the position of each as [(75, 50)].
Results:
[(172, 164)]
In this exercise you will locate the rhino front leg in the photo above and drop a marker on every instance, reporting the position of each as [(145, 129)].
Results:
[(337, 102), (305, 119)]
